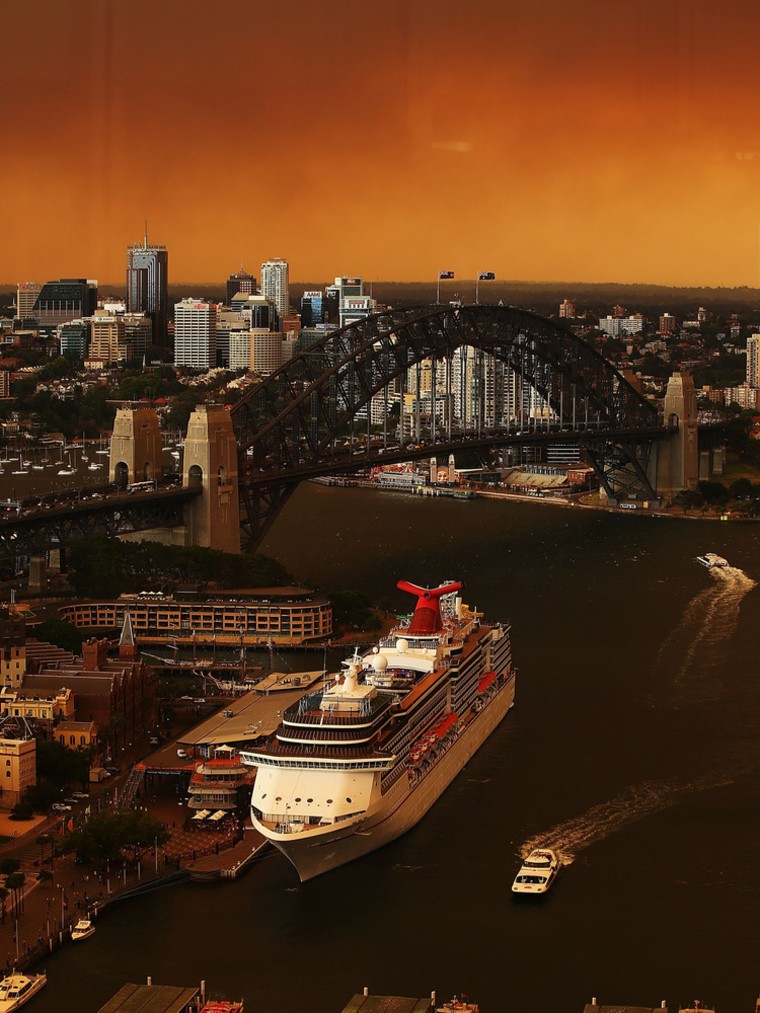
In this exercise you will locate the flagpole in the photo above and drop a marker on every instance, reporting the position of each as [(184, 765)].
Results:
[(438, 290)]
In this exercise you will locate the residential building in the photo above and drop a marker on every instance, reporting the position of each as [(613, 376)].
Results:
[(266, 350), (147, 286), (195, 334), (275, 285), (753, 360), (667, 324), (567, 309), (285, 615), (238, 348)]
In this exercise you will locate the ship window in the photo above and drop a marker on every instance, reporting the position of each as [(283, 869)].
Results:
[(348, 800), (264, 795), (309, 800), (329, 801), (298, 800), (279, 798)]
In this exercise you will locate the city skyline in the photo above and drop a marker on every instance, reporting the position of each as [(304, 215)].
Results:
[(573, 141)]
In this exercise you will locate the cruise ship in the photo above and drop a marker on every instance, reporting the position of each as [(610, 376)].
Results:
[(360, 761)]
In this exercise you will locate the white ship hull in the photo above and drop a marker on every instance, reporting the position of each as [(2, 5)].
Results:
[(401, 808)]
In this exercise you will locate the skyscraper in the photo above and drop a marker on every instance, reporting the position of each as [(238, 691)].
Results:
[(195, 334), (274, 284), (240, 282), (147, 280), (753, 360)]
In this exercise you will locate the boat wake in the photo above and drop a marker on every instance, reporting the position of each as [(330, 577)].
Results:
[(708, 622), (634, 804)]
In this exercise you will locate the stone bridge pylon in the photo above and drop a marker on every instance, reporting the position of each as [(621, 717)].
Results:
[(210, 458)]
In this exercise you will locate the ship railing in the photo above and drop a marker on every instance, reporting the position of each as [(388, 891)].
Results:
[(304, 713), (321, 752), (324, 734)]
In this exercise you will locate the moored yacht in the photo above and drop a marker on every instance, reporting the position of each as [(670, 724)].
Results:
[(16, 989), (360, 761)]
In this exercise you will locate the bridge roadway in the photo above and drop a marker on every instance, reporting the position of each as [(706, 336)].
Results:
[(30, 526)]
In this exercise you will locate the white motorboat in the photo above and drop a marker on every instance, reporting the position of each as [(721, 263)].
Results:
[(82, 930), (16, 989), (537, 873), (711, 559)]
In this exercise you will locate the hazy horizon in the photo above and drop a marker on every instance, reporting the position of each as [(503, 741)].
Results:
[(567, 139)]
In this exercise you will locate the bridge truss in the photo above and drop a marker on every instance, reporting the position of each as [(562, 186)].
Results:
[(479, 377)]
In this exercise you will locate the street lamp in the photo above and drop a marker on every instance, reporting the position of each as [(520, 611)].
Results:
[(442, 276), (482, 276)]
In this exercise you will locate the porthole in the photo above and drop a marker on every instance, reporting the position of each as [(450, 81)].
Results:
[(264, 795), (329, 801), (298, 800), (309, 801), (348, 800), (279, 798)]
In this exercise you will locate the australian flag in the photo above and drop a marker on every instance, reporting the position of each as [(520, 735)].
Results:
[(486, 276), (445, 275)]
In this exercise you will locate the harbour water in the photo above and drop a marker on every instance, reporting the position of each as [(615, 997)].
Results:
[(632, 749)]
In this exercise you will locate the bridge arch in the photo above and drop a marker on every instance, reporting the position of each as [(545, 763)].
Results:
[(294, 414), (292, 424)]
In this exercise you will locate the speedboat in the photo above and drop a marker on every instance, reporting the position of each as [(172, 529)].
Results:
[(82, 930), (537, 872), (711, 559), (16, 989)]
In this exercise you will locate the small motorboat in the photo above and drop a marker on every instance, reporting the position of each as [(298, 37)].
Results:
[(537, 873), (16, 989), (711, 559), (82, 930)]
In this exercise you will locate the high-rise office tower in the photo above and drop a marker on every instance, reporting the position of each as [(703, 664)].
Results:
[(274, 284), (313, 308), (67, 299), (195, 334), (26, 297), (147, 281), (753, 360), (240, 282)]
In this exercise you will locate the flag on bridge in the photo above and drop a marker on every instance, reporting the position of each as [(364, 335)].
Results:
[(445, 275), (486, 276)]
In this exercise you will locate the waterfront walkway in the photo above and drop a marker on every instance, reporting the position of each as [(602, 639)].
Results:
[(48, 909)]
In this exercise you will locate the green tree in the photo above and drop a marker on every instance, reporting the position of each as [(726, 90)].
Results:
[(105, 836), (61, 633)]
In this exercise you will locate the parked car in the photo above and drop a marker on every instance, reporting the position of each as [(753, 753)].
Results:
[(60, 807), (71, 801), (79, 795), (182, 754)]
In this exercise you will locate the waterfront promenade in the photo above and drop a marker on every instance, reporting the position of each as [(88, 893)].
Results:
[(48, 908)]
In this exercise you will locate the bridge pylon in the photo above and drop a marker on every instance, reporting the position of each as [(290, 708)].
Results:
[(210, 460), (677, 456), (135, 454)]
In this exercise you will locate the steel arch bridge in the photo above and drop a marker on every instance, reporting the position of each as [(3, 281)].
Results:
[(293, 425)]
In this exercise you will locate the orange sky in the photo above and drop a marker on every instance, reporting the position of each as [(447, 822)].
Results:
[(588, 140)]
